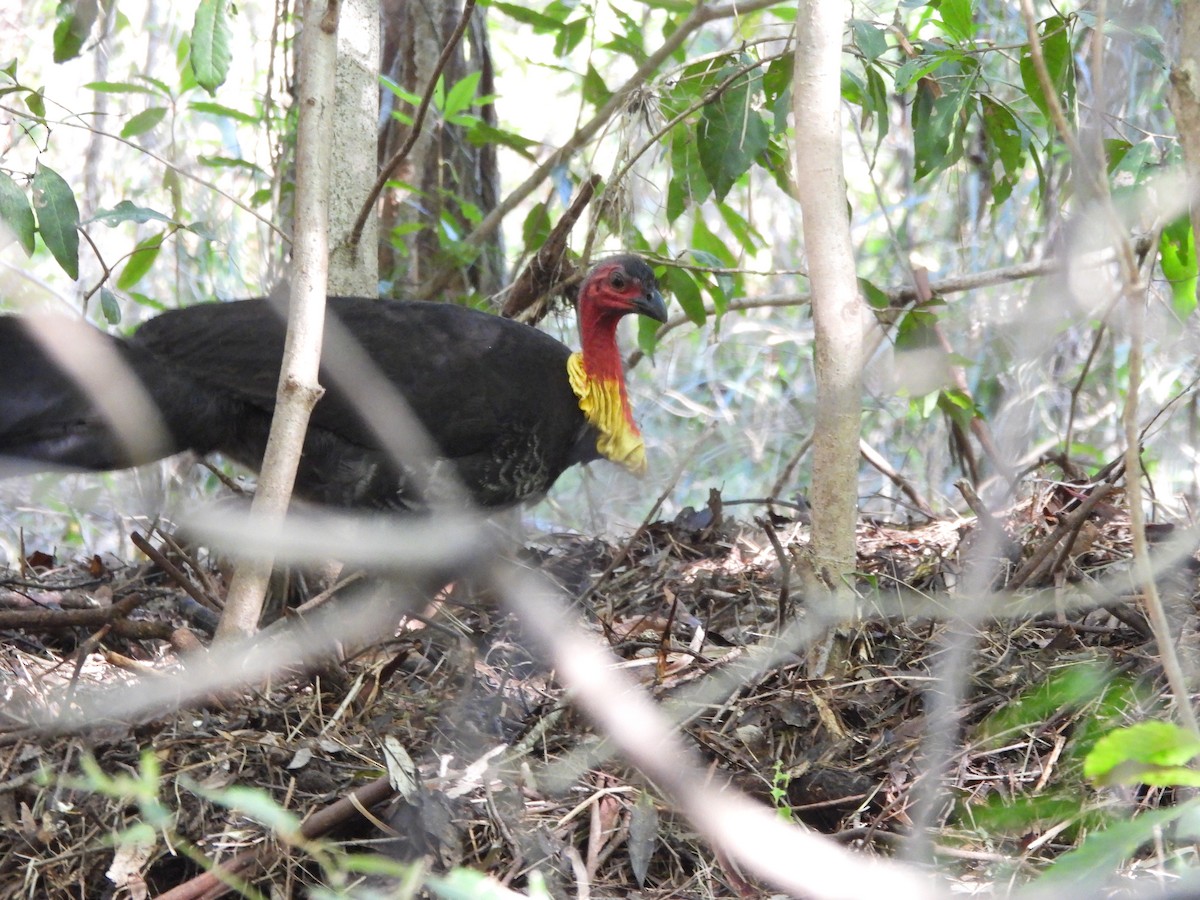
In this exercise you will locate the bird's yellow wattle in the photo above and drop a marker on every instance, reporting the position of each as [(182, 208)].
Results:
[(604, 406)]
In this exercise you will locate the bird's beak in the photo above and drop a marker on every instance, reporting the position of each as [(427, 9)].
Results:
[(651, 305)]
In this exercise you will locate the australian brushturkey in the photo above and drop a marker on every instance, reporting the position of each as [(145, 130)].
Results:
[(509, 406)]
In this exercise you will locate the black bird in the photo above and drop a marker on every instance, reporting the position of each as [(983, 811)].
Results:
[(507, 405)]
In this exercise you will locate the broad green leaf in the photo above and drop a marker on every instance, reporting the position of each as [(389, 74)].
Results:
[(16, 215), (732, 133), (110, 307), (1080, 872), (540, 22), (571, 35), (777, 87), (140, 261), (1056, 48), (647, 336), (210, 44), (913, 70), (1003, 133), (1145, 753), (682, 285), (75, 20), (462, 95), (595, 91), (536, 226), (958, 19), (689, 185), (869, 38), (1177, 256), (57, 217), (36, 101), (127, 211), (144, 121), (747, 235), (876, 297)]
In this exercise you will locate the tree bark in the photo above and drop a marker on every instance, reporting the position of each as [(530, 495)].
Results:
[(355, 117), (444, 170), (299, 389), (838, 313)]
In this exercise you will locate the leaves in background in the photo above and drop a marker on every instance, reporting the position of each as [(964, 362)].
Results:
[(16, 215), (1177, 256), (57, 218), (143, 121), (210, 45), (75, 20), (731, 131), (140, 261)]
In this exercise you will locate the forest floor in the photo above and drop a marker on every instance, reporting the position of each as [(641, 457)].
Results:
[(464, 750)]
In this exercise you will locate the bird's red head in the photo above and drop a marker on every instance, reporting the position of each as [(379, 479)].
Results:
[(614, 288), (619, 286)]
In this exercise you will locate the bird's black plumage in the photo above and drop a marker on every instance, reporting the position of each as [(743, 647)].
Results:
[(492, 393)]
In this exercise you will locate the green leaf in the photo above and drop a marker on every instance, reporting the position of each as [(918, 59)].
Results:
[(682, 285), (127, 211), (540, 22), (1002, 130), (913, 70), (462, 95), (647, 336), (481, 133), (57, 217), (144, 121), (958, 19), (36, 101), (1145, 753), (571, 35), (1177, 256), (688, 184), (224, 112), (210, 45), (140, 261), (16, 215), (777, 87), (110, 307), (595, 91), (875, 296), (1056, 48), (75, 20), (1081, 872), (117, 87), (869, 38), (1067, 689), (536, 227), (732, 133)]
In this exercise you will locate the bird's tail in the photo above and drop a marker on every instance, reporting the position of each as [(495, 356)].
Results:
[(72, 397)]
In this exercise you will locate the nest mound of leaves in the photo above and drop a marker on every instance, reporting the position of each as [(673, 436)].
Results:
[(448, 747)]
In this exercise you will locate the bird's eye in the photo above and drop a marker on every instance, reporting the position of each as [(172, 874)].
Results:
[(617, 280)]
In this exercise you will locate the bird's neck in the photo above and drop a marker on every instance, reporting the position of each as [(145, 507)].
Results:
[(598, 380)]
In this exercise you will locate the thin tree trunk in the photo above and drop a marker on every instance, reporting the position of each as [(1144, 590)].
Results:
[(838, 314), (299, 389), (355, 118)]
